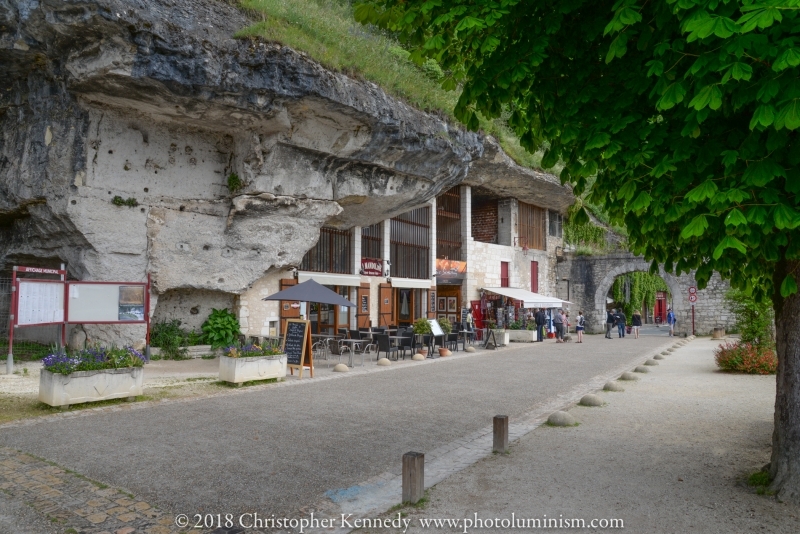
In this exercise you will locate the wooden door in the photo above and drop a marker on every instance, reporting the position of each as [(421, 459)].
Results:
[(503, 274), (287, 312), (362, 306), (535, 276), (385, 311)]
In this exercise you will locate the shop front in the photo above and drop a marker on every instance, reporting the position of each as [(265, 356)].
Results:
[(505, 305), (450, 275)]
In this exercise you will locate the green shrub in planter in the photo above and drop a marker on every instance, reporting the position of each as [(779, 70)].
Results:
[(422, 326), (446, 326), (221, 328)]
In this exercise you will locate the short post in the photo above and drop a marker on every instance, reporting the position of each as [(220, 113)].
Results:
[(500, 434), (413, 476)]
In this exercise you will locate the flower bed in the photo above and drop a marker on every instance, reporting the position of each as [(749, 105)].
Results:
[(251, 362), (746, 358), (91, 375)]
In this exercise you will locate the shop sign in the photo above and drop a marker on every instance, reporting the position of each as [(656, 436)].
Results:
[(450, 272), (371, 267)]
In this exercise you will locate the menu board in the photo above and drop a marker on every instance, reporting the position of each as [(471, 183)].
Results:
[(297, 345), (40, 303), (436, 328)]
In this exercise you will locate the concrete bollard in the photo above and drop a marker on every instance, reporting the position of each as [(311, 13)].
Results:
[(500, 426), (413, 477)]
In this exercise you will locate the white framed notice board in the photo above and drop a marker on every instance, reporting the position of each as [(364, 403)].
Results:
[(102, 302), (40, 302)]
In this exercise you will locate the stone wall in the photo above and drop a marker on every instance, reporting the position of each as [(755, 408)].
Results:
[(591, 277)]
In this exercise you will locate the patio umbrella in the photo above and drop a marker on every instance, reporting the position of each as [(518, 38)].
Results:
[(311, 291)]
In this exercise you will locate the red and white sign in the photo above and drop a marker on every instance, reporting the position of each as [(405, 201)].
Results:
[(692, 290), (693, 298), (371, 267), (295, 304)]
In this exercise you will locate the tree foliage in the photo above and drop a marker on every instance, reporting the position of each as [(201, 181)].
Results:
[(754, 320), (637, 290), (686, 110)]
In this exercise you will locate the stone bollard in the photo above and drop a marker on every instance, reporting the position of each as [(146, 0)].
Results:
[(500, 425), (719, 332), (413, 477)]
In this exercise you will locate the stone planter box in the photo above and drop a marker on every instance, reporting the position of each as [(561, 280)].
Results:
[(522, 336), (238, 370), (502, 336), (90, 386)]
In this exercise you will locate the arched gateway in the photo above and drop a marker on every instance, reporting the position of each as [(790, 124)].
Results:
[(589, 278)]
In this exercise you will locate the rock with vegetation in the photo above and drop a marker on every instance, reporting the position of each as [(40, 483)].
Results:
[(137, 137)]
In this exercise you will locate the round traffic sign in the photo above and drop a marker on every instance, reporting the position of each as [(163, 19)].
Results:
[(692, 290), (692, 298)]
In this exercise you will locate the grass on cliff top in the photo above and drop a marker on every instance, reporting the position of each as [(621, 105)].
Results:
[(326, 31)]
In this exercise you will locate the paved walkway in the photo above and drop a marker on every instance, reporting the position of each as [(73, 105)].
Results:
[(669, 454), (299, 446)]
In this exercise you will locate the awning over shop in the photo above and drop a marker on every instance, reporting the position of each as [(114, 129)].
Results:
[(411, 283), (327, 279), (529, 299)]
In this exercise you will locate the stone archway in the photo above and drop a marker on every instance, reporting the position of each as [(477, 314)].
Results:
[(678, 305), (590, 278)]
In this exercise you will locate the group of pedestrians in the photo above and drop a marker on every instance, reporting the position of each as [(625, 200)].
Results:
[(560, 324), (616, 318)]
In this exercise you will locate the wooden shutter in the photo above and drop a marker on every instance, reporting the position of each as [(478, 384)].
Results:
[(287, 312), (385, 308), (362, 306), (535, 276)]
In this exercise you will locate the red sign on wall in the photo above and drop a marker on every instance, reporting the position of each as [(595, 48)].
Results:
[(371, 267)]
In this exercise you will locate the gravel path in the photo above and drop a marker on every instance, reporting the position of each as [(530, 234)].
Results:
[(278, 450), (669, 454)]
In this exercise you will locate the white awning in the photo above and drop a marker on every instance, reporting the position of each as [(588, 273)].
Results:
[(329, 279), (412, 283), (529, 299)]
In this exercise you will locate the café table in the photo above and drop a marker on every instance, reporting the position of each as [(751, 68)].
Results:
[(355, 343)]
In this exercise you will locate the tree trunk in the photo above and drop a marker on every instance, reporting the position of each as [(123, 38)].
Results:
[(785, 463)]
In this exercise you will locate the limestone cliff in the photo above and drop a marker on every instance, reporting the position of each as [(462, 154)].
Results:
[(153, 100)]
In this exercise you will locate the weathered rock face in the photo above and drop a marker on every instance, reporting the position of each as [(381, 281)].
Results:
[(154, 101)]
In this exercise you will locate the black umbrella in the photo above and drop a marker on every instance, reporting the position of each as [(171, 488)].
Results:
[(311, 291)]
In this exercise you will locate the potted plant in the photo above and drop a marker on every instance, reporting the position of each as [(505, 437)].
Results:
[(519, 333), (444, 322), (421, 327), (221, 328), (90, 375), (240, 364)]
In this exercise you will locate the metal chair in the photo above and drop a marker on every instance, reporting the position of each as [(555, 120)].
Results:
[(384, 345), (407, 343), (452, 341), (339, 349)]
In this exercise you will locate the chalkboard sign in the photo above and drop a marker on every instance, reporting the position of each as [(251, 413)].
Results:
[(297, 346), (464, 312)]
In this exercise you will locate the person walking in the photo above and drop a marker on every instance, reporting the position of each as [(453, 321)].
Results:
[(580, 325), (558, 323), (540, 318), (621, 320), (609, 322), (671, 320), (636, 322)]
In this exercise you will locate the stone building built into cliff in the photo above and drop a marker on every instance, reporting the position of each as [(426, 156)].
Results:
[(236, 163)]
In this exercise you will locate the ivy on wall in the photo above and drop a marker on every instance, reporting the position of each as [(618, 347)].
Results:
[(637, 291)]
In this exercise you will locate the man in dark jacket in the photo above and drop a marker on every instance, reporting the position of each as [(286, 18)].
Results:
[(540, 318), (621, 321), (609, 323)]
